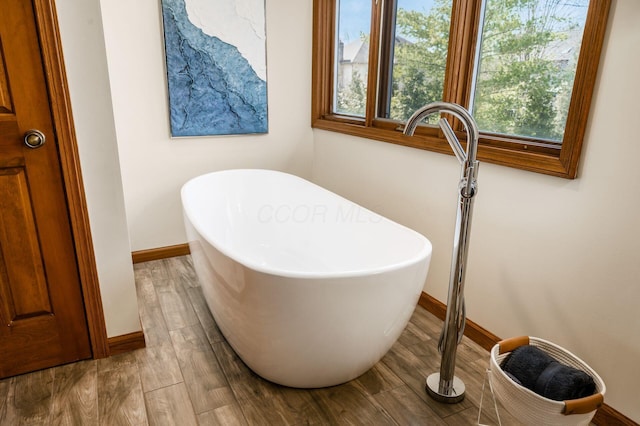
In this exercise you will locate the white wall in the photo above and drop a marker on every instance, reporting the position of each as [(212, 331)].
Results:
[(549, 257), (85, 61), (120, 110), (154, 166)]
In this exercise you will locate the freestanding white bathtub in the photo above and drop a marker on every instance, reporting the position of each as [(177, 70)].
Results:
[(309, 289)]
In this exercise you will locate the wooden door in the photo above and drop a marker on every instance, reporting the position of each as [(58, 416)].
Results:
[(42, 315)]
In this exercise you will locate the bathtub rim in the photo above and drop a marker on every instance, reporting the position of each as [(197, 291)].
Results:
[(424, 253)]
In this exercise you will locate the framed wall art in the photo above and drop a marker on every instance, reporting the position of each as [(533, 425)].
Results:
[(216, 66)]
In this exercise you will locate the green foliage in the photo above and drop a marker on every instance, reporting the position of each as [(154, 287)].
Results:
[(419, 66), (520, 89), (352, 100)]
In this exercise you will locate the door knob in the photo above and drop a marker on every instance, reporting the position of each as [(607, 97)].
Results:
[(34, 138)]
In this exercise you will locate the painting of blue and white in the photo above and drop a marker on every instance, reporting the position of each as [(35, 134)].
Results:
[(216, 66)]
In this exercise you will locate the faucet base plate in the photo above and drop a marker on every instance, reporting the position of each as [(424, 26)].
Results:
[(455, 394)]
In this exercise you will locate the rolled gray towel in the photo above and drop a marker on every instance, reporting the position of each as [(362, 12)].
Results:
[(536, 370)]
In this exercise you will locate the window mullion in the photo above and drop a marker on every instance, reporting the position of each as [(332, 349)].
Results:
[(462, 45), (387, 43), (374, 58)]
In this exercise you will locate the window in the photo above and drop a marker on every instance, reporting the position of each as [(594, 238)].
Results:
[(525, 69)]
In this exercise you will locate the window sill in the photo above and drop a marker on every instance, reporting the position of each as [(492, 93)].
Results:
[(539, 158)]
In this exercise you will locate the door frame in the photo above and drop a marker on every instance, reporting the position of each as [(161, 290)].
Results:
[(60, 103)]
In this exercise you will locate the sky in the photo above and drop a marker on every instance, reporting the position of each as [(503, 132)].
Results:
[(356, 14)]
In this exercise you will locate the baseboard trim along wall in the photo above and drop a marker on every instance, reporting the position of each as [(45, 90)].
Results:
[(605, 416), (473, 331), (160, 253), (126, 343)]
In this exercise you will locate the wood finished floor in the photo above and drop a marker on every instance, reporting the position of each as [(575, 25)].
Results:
[(188, 375)]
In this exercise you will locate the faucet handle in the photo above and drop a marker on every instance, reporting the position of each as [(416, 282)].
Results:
[(455, 144)]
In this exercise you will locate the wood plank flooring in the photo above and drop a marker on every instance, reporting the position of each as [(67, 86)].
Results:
[(189, 375)]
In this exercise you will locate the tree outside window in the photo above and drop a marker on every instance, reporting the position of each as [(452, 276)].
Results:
[(512, 63)]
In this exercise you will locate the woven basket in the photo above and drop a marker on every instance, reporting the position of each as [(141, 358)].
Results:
[(531, 408)]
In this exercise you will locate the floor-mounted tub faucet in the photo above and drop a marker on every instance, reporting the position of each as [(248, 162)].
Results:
[(444, 386)]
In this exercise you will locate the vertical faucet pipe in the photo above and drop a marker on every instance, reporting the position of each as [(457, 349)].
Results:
[(445, 386)]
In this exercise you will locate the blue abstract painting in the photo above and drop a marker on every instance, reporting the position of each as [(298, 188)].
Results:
[(216, 66)]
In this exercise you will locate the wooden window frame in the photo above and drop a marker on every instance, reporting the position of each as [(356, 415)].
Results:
[(557, 159)]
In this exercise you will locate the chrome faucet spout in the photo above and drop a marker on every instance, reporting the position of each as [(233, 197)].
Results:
[(444, 386), (468, 160), (457, 111)]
